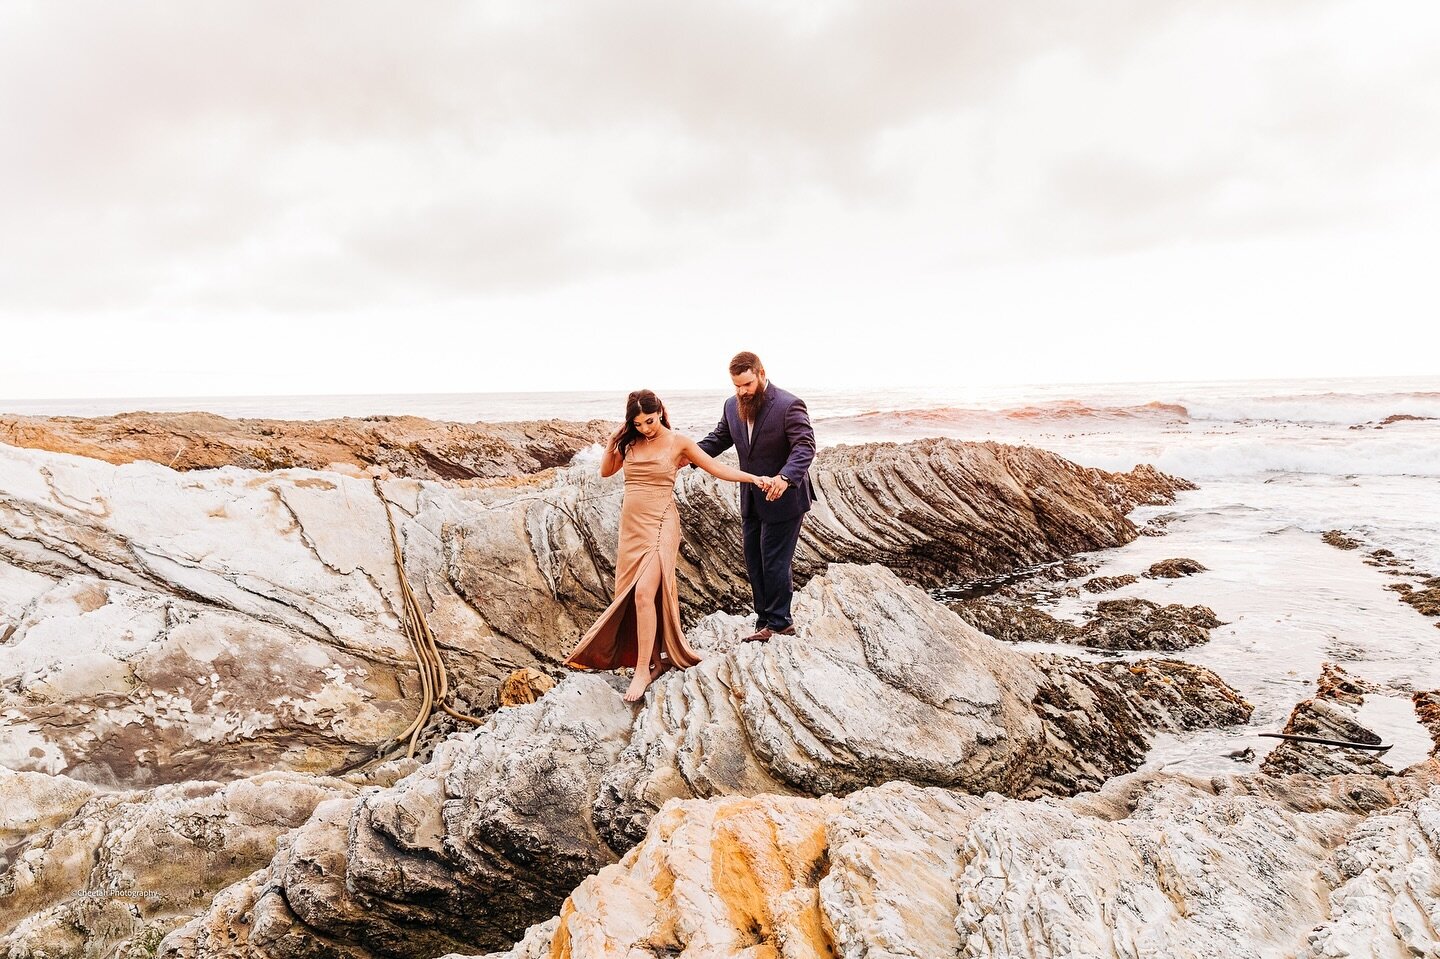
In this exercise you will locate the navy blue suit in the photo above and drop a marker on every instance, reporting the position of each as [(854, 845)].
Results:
[(783, 444)]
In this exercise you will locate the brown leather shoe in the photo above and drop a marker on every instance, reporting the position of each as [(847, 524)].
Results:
[(759, 636), (787, 631)]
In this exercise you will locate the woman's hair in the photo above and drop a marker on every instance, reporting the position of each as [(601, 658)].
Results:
[(640, 401)]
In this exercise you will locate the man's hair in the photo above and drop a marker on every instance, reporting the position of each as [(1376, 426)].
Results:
[(746, 361)]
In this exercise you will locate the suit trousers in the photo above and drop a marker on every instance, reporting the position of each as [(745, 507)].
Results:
[(769, 555)]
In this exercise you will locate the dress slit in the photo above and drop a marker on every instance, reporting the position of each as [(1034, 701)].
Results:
[(647, 515)]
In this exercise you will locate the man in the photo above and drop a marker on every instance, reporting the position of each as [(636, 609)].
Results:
[(770, 430)]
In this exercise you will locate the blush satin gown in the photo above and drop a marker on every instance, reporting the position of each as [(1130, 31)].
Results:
[(649, 533)]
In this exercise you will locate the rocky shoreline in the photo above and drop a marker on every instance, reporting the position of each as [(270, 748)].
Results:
[(260, 610), (403, 446), (1422, 593), (194, 656)]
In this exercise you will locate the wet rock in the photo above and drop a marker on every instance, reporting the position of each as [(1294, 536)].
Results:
[(1174, 569), (881, 684), (1116, 624), (1142, 624), (1015, 622), (1339, 540), (1106, 584), (1426, 601), (1427, 710), (1403, 418), (1105, 713), (1146, 486), (1332, 713), (1154, 864), (1061, 572), (1424, 598), (1158, 526)]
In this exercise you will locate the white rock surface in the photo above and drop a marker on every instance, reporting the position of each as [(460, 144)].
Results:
[(84, 872), (881, 683), (1154, 865), (158, 626)]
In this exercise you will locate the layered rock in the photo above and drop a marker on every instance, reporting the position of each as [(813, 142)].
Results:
[(1141, 624), (1174, 568), (1106, 584), (881, 684), (1116, 624), (407, 446), (1332, 713), (1339, 540), (171, 626), (90, 873), (165, 626), (1153, 865)]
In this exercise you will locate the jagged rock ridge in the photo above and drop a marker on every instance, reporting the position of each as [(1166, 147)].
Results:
[(1152, 865), (882, 684), (166, 626)]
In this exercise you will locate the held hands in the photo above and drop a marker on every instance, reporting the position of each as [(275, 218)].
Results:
[(774, 486)]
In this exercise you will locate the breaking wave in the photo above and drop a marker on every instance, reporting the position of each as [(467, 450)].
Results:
[(1344, 409)]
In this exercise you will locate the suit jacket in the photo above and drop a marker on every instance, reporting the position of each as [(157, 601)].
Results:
[(783, 445)]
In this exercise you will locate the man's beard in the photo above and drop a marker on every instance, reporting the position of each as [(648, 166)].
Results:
[(751, 405)]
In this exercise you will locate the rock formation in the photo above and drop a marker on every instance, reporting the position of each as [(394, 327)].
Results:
[(1015, 622), (1106, 584), (881, 684), (1332, 713), (1116, 624), (167, 635), (1339, 540), (88, 873), (1153, 865), (1141, 624), (163, 626), (1174, 568), (406, 446)]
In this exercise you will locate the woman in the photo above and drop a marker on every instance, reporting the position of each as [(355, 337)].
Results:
[(646, 604)]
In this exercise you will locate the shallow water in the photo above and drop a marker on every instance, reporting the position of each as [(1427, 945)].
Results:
[(1289, 602)]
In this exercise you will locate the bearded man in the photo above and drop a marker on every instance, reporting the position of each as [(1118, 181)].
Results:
[(770, 430)]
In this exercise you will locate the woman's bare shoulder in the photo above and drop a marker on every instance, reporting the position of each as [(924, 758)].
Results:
[(681, 445)]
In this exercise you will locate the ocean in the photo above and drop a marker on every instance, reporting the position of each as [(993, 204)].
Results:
[(1278, 463)]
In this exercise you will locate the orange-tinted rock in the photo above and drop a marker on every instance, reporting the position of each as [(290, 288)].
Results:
[(408, 446)]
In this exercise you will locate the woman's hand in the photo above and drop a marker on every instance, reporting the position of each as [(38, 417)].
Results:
[(612, 445)]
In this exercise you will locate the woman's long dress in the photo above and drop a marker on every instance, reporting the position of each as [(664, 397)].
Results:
[(649, 533)]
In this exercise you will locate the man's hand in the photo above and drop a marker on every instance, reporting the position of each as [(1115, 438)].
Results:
[(776, 489)]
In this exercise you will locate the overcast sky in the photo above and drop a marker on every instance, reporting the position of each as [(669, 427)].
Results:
[(279, 197)]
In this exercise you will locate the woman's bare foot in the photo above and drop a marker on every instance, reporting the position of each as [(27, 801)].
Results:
[(642, 681), (638, 685)]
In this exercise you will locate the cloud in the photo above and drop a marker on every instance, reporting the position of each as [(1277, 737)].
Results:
[(198, 158)]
